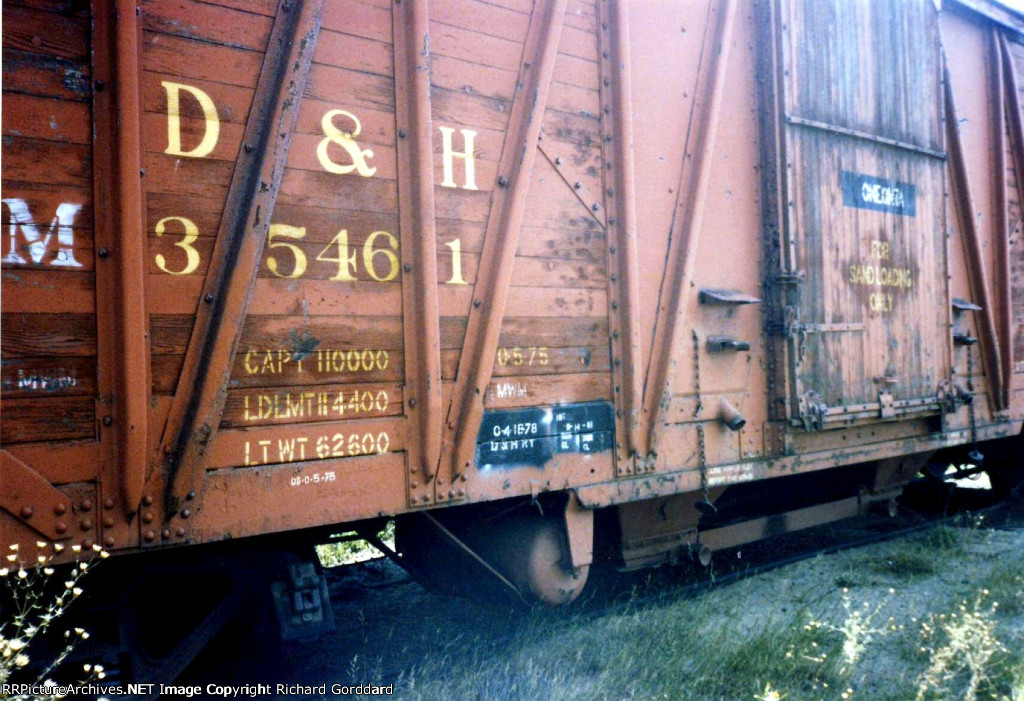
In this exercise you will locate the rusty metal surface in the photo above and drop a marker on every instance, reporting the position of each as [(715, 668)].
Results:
[(29, 497), (421, 322), (195, 414), (623, 283)]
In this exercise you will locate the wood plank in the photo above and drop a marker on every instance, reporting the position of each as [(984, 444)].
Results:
[(482, 18), (472, 79), (48, 292), (45, 76), (50, 34), (556, 361), (342, 86), (578, 43), (208, 23), (50, 119), (267, 8), (44, 162), (40, 377), (507, 393), (345, 50), (311, 403), (60, 463), (358, 19), (193, 59), (469, 45), (51, 419), (55, 335), (82, 252)]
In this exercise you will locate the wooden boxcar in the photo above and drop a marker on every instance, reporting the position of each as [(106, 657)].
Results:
[(278, 265)]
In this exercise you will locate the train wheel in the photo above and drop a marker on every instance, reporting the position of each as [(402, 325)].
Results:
[(526, 556), (534, 555)]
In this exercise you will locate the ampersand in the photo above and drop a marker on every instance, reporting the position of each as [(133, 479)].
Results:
[(347, 141)]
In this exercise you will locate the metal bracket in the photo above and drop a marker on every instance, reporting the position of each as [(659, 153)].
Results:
[(886, 410), (721, 296), (813, 410), (724, 344)]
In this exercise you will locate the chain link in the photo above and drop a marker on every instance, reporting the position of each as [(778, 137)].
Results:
[(702, 462), (696, 365), (970, 389)]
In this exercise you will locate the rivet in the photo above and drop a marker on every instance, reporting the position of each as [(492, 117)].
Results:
[(60, 509), (425, 498), (615, 305), (440, 481), (401, 133), (414, 484), (108, 522), (148, 517), (502, 181), (247, 148), (108, 420), (611, 249), (604, 54), (558, 161), (607, 110), (577, 185), (209, 297), (142, 172), (611, 220), (61, 527), (150, 536), (477, 302), (607, 82), (463, 477), (85, 505), (407, 268), (181, 532), (595, 206), (461, 493), (191, 495), (167, 450), (99, 85), (147, 500), (87, 543), (27, 511), (165, 533), (86, 524), (412, 403), (109, 541), (103, 252), (185, 513)]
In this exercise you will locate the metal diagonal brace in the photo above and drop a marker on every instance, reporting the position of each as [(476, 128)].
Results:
[(964, 206), (421, 319), (202, 386), (508, 203)]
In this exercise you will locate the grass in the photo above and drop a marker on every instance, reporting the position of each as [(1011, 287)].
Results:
[(349, 548), (913, 619)]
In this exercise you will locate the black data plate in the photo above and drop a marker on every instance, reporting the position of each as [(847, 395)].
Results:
[(532, 436)]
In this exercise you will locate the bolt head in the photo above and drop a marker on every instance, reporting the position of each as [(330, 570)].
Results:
[(61, 527), (150, 536), (86, 524), (109, 541), (27, 511), (108, 503), (60, 509)]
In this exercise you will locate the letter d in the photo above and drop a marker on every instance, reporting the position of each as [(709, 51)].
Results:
[(211, 131)]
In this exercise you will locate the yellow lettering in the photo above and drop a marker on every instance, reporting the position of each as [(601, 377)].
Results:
[(345, 139), (448, 157), (456, 278), (346, 261), (191, 254), (369, 252), (290, 232), (211, 131), (251, 369)]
